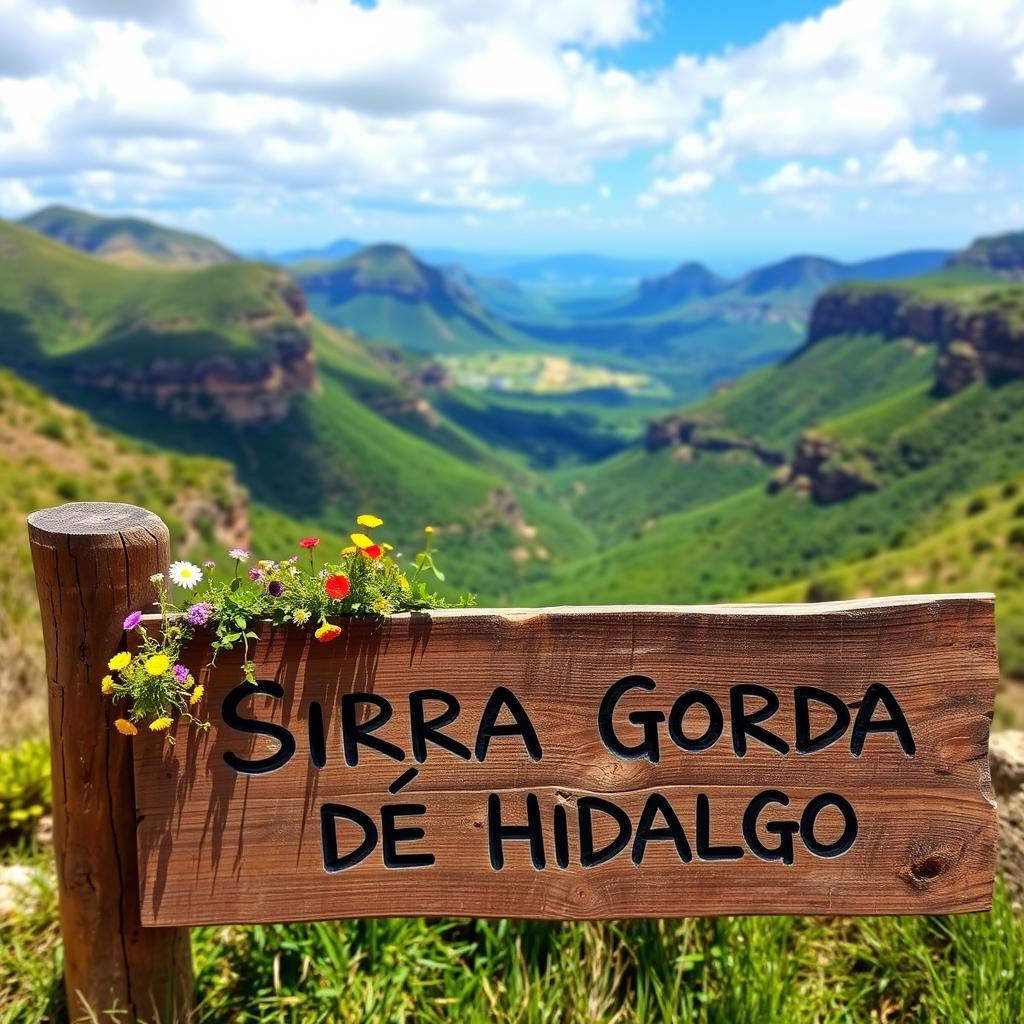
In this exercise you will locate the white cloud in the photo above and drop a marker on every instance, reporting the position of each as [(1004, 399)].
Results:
[(904, 165), (687, 183), (16, 197), (458, 103)]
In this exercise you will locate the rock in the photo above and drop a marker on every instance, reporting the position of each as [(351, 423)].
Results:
[(959, 366), (973, 343), (699, 434), (1006, 757), (822, 469), (19, 888)]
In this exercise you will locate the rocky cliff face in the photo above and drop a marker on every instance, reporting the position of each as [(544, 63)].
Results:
[(974, 342), (821, 469), (701, 435), (248, 388), (999, 254)]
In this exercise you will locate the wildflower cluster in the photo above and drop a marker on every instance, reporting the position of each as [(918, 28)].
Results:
[(366, 578)]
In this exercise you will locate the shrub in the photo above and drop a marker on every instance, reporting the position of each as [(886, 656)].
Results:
[(824, 590), (976, 504), (24, 788), (53, 427), (1016, 537)]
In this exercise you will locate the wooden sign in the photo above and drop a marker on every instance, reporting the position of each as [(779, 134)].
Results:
[(585, 763)]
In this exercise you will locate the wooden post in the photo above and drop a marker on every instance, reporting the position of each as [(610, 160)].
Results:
[(92, 565)]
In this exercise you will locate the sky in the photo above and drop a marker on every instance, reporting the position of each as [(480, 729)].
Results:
[(726, 131)]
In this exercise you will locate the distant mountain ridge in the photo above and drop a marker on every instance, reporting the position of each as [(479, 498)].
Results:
[(1001, 254), (387, 294), (129, 241), (229, 341)]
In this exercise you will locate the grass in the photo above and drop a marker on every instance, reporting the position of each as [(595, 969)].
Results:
[(698, 971), (59, 306)]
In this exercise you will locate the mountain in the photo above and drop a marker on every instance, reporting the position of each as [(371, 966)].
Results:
[(128, 241), (336, 250), (1000, 254), (581, 270), (229, 341), (832, 474), (387, 294), (225, 362), (657, 294)]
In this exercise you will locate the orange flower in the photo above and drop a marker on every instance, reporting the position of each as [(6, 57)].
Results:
[(326, 633), (124, 727), (337, 587), (373, 551)]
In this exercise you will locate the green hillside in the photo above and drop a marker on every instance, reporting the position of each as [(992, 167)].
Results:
[(386, 294), (61, 306), (922, 488), (50, 454), (128, 241)]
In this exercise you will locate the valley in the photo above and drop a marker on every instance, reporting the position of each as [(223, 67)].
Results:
[(811, 430)]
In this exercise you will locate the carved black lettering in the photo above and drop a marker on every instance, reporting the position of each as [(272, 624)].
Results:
[(253, 727), (783, 829), (647, 720), (391, 836), (329, 815), (499, 834), (355, 734), (805, 742), (522, 726), (897, 722), (746, 723)]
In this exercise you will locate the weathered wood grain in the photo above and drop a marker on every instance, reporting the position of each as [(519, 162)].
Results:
[(92, 566), (220, 846)]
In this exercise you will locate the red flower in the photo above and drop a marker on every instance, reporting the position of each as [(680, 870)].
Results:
[(309, 542), (337, 587), (373, 551)]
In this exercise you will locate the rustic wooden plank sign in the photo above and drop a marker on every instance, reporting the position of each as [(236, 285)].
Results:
[(584, 763)]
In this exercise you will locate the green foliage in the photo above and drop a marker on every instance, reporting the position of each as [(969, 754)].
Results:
[(365, 581), (769, 970), (24, 788)]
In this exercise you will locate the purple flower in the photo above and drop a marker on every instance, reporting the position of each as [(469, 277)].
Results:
[(181, 673), (199, 614), (209, 564), (255, 574), (239, 554), (292, 560), (275, 589), (133, 620)]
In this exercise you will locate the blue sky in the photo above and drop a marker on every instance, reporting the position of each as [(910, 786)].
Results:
[(730, 132)]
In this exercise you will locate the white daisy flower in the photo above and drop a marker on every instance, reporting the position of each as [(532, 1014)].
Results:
[(185, 574), (300, 616)]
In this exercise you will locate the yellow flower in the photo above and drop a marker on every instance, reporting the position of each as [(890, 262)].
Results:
[(157, 664), (370, 521), (388, 547), (361, 540), (403, 583), (160, 724), (125, 728), (428, 530), (107, 686), (119, 661), (350, 550), (381, 605), (197, 694)]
